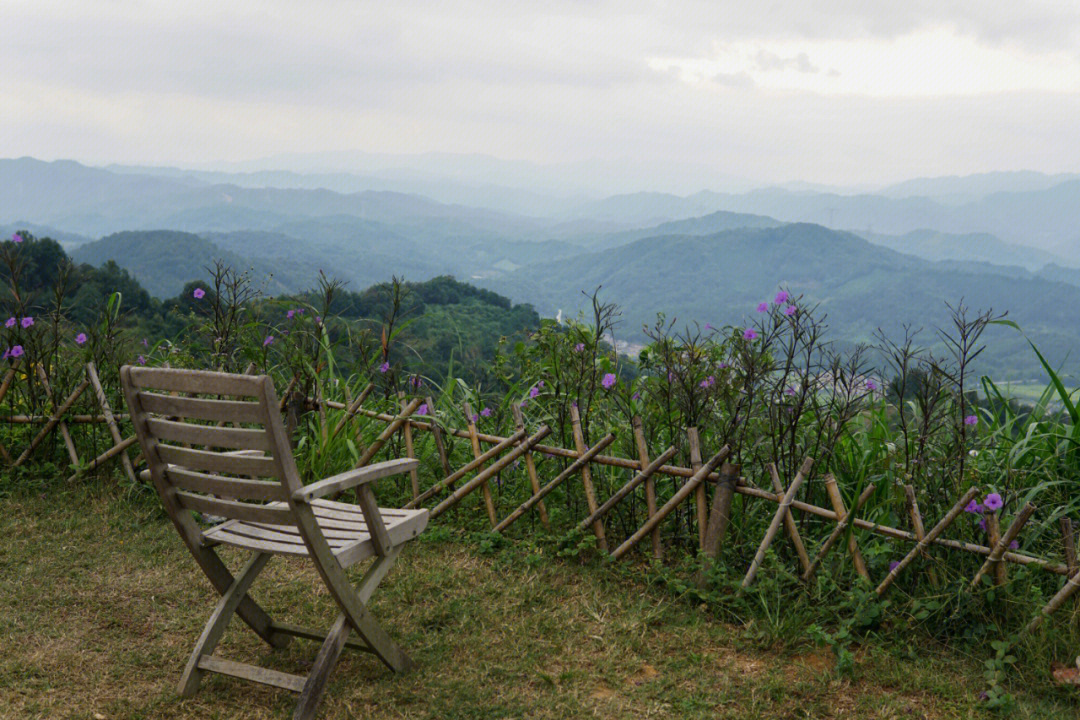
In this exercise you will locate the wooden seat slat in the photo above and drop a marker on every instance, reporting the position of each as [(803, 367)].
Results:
[(199, 382), (234, 509), (207, 460), (236, 488)]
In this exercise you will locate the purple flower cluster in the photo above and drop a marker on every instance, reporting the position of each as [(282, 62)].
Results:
[(25, 322), (749, 334), (971, 420), (16, 237), (198, 293), (13, 352), (609, 381), (384, 368), (294, 313), (708, 382)]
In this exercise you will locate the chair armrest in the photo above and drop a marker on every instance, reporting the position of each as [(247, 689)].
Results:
[(352, 478)]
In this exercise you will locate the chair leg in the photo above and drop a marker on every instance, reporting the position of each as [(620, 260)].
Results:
[(249, 611), (219, 620), (353, 604), (320, 671)]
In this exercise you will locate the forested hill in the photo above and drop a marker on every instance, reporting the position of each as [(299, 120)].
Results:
[(720, 278)]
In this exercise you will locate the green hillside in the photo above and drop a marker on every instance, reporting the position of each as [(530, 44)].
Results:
[(719, 279)]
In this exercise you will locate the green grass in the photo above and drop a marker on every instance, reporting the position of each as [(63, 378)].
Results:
[(101, 605)]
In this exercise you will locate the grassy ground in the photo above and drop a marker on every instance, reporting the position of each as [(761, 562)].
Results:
[(101, 604)]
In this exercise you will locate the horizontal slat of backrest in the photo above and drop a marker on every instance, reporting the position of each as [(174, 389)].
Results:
[(231, 411), (209, 435), (197, 381), (227, 487), (248, 465), (280, 515)]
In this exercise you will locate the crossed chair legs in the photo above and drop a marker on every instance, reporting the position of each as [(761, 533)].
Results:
[(235, 600)]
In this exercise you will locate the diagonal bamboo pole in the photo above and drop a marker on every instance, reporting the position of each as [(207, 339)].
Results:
[(530, 468), (436, 433), (489, 502), (642, 448), (414, 478), (449, 480), (586, 478), (482, 477), (917, 525), (54, 419), (65, 434), (387, 433), (350, 411), (110, 420), (118, 449), (1071, 586), (1003, 543), (778, 518), (681, 494), (585, 458), (837, 501), (627, 488), (934, 532), (837, 532), (789, 520)]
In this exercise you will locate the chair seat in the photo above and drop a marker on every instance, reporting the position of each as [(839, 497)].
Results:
[(342, 524)]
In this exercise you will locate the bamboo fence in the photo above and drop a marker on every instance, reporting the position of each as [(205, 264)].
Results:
[(711, 519)]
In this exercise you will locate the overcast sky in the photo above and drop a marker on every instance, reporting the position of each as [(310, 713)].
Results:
[(844, 91)]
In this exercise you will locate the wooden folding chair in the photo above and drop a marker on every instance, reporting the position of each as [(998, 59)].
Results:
[(231, 458)]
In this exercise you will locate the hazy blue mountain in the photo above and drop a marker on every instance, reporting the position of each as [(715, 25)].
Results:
[(967, 188), (973, 247), (720, 278)]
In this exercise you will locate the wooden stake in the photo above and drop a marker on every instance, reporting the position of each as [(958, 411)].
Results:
[(476, 463), (114, 429), (484, 475), (414, 478), (1069, 542), (993, 537), (837, 501), (530, 468), (700, 497), (789, 520), (1003, 542), (586, 479), (436, 432), (489, 502), (917, 524), (627, 488), (837, 532), (680, 495), (650, 482), (934, 532), (387, 433), (778, 518), (54, 419), (578, 464), (118, 449), (720, 514), (68, 442)]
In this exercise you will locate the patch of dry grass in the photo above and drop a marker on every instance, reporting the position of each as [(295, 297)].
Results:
[(101, 605)]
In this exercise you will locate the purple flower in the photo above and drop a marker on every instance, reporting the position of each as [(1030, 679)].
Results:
[(80, 338), (763, 307), (540, 384), (1014, 545), (709, 327), (580, 347), (749, 334), (609, 381), (534, 391), (268, 340), (290, 314), (10, 322), (871, 385), (299, 311), (486, 412), (724, 365), (789, 310), (982, 524), (636, 396), (16, 238), (708, 382), (524, 403), (971, 420), (781, 297), (475, 417), (422, 410), (384, 368), (416, 381), (893, 565), (670, 376), (993, 502), (27, 322), (16, 351), (198, 293), (144, 343), (318, 319), (973, 507), (141, 360)]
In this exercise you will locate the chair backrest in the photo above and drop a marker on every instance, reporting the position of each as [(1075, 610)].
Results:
[(214, 443)]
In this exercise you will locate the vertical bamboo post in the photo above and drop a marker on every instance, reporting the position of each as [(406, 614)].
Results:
[(110, 421), (68, 442), (700, 496), (837, 501), (993, 537), (8, 377), (917, 524), (721, 510), (406, 430), (778, 518), (436, 433), (530, 468), (485, 489), (586, 479), (650, 483), (789, 520), (1067, 539)]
